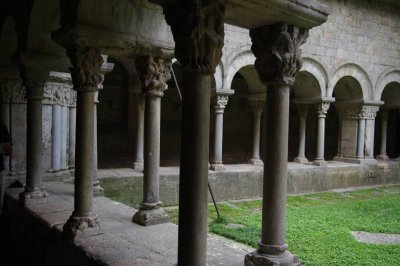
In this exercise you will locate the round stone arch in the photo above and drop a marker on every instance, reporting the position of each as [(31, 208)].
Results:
[(318, 71), (358, 73), (390, 75), (238, 62)]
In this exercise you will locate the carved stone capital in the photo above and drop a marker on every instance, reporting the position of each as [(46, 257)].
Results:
[(322, 109), (220, 102), (72, 98), (10, 87), (277, 51), (369, 112), (198, 31), (154, 73), (257, 107), (57, 93), (86, 68)]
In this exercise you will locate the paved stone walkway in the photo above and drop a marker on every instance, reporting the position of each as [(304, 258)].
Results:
[(376, 238), (122, 242)]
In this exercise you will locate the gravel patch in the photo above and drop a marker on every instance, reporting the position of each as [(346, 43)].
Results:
[(376, 238)]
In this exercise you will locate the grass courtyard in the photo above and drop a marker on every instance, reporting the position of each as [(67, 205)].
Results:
[(318, 225)]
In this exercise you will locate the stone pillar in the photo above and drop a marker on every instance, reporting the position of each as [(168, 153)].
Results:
[(154, 74), (278, 59), (360, 138), (384, 115), (369, 113), (220, 102), (86, 76), (64, 136), (7, 88), (97, 189), (257, 107), (199, 54), (34, 84), (138, 163), (322, 110), (302, 111), (56, 138), (72, 130)]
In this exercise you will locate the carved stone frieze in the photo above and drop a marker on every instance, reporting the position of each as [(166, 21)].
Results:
[(359, 112), (198, 31), (277, 51), (257, 107), (13, 91), (154, 73), (86, 71), (322, 109)]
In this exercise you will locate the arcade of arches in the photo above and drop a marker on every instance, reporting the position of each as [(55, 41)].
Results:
[(199, 88)]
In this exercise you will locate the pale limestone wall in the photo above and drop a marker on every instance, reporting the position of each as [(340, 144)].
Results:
[(360, 39)]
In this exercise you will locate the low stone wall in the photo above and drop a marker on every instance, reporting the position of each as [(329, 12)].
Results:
[(245, 181)]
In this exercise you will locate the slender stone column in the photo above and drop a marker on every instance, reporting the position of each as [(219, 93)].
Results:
[(72, 130), (384, 114), (360, 138), (198, 47), (303, 111), (56, 138), (86, 76), (97, 189), (154, 74), (34, 84), (257, 107), (278, 59), (138, 163), (220, 102), (322, 110), (64, 132)]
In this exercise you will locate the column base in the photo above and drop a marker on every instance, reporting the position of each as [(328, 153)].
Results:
[(33, 197), (256, 161), (150, 214), (300, 160), (257, 258), (217, 167), (382, 157), (98, 191), (138, 166), (78, 225), (320, 162)]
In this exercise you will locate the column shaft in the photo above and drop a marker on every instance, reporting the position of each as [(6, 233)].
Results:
[(301, 157), (384, 125), (360, 138), (193, 178), (275, 166), (321, 138), (257, 108), (221, 102), (138, 164), (72, 134), (56, 138), (97, 189), (64, 132)]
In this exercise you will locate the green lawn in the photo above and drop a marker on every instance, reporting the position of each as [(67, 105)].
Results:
[(319, 225)]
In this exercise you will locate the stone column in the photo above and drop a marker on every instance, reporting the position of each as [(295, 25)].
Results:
[(34, 84), (199, 54), (220, 102), (302, 111), (154, 74), (360, 138), (384, 115), (278, 59), (322, 110), (86, 76), (97, 189), (138, 163), (64, 136), (56, 138), (257, 107), (369, 113), (10, 85), (72, 130)]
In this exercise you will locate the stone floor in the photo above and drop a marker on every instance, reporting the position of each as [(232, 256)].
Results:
[(122, 242)]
